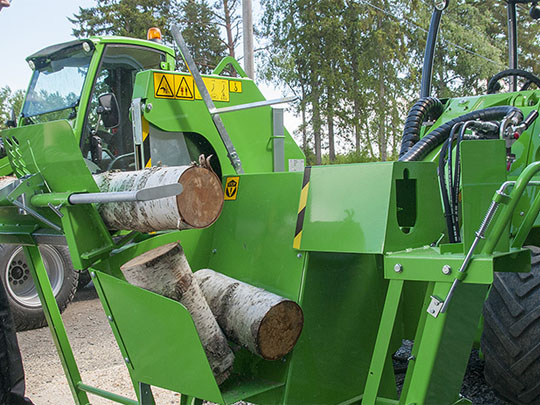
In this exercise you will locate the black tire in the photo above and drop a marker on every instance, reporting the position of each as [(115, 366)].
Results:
[(84, 279), (511, 338), (22, 295)]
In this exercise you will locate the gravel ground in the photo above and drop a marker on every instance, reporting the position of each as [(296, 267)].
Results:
[(101, 364)]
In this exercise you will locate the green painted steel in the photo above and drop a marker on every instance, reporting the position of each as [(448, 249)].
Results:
[(250, 130), (360, 208), (52, 314), (371, 237)]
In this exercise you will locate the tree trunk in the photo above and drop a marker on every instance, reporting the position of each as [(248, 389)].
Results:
[(266, 324), (198, 206), (331, 140), (316, 124), (228, 27), (165, 271)]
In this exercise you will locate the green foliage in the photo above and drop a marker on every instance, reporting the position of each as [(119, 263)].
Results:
[(201, 34), (9, 101), (130, 18), (357, 64)]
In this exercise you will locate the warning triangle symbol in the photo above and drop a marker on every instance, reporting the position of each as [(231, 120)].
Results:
[(164, 89), (184, 90)]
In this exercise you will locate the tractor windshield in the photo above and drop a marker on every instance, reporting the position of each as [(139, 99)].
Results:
[(57, 82)]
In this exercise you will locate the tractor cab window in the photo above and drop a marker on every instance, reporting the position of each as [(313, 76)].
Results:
[(111, 148)]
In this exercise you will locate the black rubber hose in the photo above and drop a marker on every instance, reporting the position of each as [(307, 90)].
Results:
[(427, 106), (433, 139)]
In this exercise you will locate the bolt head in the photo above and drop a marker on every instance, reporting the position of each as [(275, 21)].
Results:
[(93, 274), (126, 360), (149, 107), (299, 255), (214, 251), (446, 269), (398, 268), (109, 318), (521, 213)]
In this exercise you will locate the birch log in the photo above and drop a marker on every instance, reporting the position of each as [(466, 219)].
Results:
[(6, 181), (265, 323), (198, 206), (165, 271)]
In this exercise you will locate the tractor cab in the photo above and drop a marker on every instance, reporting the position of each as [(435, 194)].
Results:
[(90, 83)]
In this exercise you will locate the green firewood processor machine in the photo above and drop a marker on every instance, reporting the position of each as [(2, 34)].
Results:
[(373, 253)]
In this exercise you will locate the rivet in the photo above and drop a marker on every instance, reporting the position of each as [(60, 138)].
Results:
[(398, 268)]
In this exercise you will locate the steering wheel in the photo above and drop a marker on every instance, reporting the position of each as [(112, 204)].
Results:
[(494, 86), (118, 159)]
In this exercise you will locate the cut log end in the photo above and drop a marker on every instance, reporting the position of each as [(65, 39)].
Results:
[(279, 330), (147, 257), (201, 201)]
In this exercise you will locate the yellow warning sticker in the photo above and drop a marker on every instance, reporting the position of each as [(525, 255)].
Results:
[(235, 86), (218, 89), (231, 188), (164, 85), (184, 87)]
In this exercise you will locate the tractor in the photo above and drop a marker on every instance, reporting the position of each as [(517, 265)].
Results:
[(372, 253)]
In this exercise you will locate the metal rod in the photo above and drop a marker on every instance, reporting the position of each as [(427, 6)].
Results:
[(479, 235), (36, 215), (107, 395), (429, 53), (256, 104), (512, 42), (146, 194), (231, 151)]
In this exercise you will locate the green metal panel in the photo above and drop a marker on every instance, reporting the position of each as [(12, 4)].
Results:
[(250, 130), (442, 347), (480, 178), (254, 234), (357, 207), (342, 299), (159, 338)]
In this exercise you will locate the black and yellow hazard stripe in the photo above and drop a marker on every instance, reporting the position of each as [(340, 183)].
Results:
[(146, 142), (302, 208)]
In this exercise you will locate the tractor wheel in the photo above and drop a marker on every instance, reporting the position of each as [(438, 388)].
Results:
[(510, 341), (21, 291), (84, 279)]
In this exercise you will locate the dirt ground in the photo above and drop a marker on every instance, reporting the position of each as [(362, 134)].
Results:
[(101, 365), (98, 357)]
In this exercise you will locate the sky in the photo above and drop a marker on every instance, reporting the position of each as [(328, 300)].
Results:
[(31, 25)]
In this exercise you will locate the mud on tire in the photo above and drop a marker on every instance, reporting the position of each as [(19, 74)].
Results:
[(22, 295), (511, 338)]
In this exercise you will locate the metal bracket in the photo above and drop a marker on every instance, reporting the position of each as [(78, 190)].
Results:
[(435, 306), (136, 115), (225, 138), (21, 195)]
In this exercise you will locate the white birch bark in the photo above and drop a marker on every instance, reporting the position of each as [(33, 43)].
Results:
[(198, 206), (165, 271), (265, 323)]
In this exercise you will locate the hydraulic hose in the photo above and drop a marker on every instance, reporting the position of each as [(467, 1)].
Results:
[(433, 139), (426, 106)]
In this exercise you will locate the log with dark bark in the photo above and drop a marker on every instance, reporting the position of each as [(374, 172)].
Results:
[(265, 323), (198, 206), (165, 271)]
